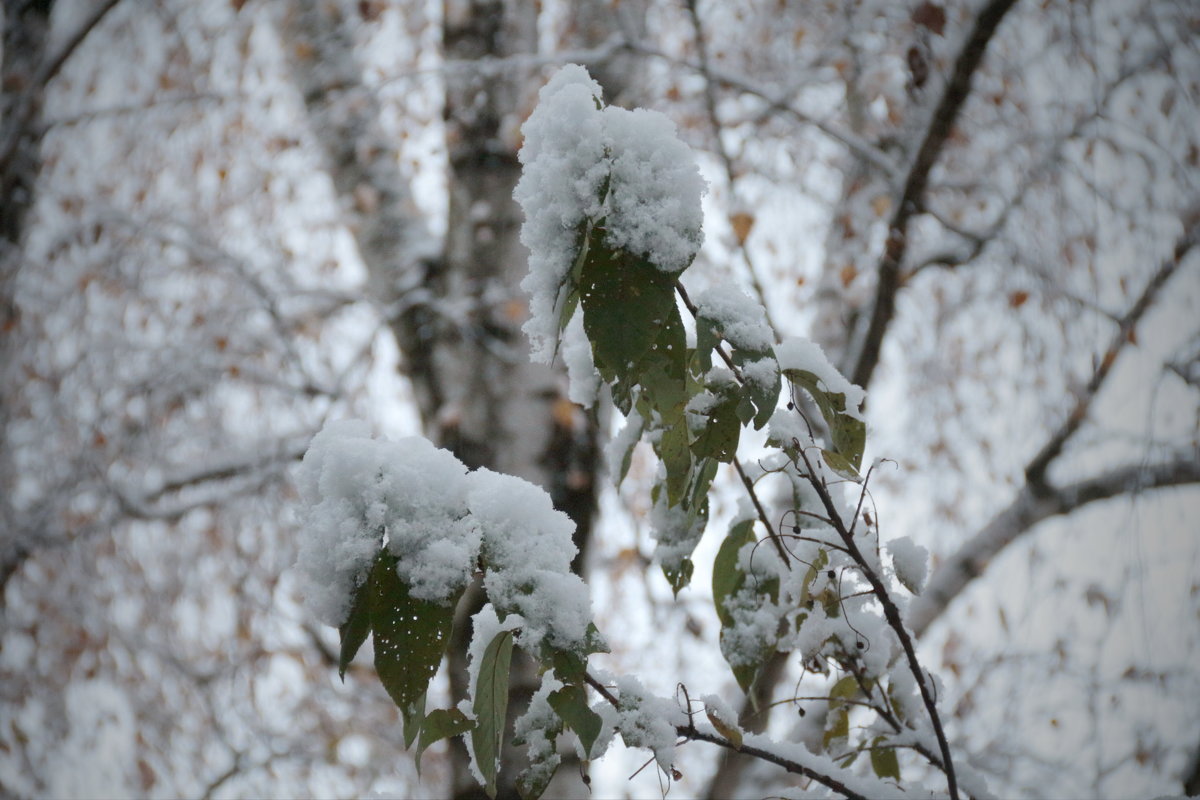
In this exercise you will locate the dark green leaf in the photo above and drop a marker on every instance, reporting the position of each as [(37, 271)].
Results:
[(765, 397), (677, 458), (491, 706), (410, 634), (442, 723), (626, 303), (570, 703), (355, 629), (681, 577), (718, 438), (412, 718)]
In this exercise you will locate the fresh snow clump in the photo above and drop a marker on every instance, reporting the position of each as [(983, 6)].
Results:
[(528, 549), (574, 148), (564, 169), (356, 491), (654, 195), (911, 562), (805, 355), (739, 318)]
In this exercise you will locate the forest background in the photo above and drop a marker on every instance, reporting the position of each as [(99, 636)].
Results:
[(228, 222)]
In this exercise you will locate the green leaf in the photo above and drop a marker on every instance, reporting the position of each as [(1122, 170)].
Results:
[(626, 302), (442, 723), (677, 458), (844, 689), (727, 578), (679, 578), (413, 717), (849, 435), (718, 437), (837, 726), (411, 635), (885, 763), (354, 631), (570, 703), (764, 396), (491, 707), (841, 466)]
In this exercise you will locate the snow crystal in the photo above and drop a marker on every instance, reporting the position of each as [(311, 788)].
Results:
[(564, 169), (528, 550), (739, 318), (583, 381), (573, 148), (676, 533), (911, 562), (359, 492), (803, 354), (538, 727), (655, 188), (648, 721)]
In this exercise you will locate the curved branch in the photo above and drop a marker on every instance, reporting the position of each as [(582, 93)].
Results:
[(1031, 506), (954, 96)]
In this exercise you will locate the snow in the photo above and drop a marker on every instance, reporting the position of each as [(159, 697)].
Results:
[(564, 168), (572, 147), (437, 518), (911, 562), (359, 491), (739, 318), (583, 381), (803, 354), (644, 720), (538, 727), (528, 549), (654, 191)]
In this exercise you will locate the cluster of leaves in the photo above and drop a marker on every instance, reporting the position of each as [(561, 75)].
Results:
[(691, 404)]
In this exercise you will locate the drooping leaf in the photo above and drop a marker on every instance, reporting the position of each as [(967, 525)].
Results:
[(411, 635), (677, 458), (442, 723), (730, 732), (726, 577), (717, 437), (849, 435), (491, 706), (884, 762), (354, 631), (570, 703), (626, 303), (844, 689), (413, 717), (679, 577), (837, 726), (763, 393), (533, 780), (841, 465)]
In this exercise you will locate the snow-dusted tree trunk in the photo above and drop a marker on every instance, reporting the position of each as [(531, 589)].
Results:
[(455, 306)]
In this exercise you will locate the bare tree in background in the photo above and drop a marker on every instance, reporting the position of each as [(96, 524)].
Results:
[(215, 232)]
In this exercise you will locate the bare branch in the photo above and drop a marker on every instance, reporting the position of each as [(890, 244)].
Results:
[(958, 88), (1035, 471), (1031, 507)]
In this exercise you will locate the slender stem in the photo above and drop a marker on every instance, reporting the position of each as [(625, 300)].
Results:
[(691, 733), (892, 614)]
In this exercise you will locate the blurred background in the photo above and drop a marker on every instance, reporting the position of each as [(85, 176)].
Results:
[(226, 222)]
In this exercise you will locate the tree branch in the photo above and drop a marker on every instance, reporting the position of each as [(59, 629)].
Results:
[(954, 96), (1035, 471), (1030, 507)]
